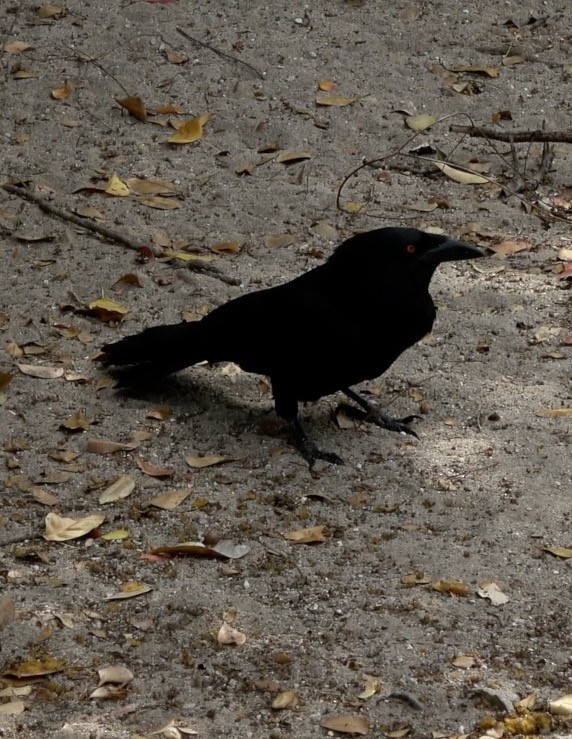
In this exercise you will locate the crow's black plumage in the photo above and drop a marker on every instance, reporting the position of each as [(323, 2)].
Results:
[(339, 324)]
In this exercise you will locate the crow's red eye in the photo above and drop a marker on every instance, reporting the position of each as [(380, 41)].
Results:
[(410, 248)]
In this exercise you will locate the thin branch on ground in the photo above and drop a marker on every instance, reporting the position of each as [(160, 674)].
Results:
[(518, 137), (233, 58), (111, 234)]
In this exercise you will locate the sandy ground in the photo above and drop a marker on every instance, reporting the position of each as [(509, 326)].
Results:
[(478, 498)]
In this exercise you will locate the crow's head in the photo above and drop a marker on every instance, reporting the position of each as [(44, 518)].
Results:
[(392, 246)]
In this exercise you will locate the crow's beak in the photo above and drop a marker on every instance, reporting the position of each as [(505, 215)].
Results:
[(451, 251)]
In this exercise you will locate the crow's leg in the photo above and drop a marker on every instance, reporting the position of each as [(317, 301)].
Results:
[(307, 447), (287, 408), (375, 415)]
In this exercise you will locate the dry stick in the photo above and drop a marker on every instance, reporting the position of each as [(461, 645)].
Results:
[(110, 234), (561, 137), (220, 52)]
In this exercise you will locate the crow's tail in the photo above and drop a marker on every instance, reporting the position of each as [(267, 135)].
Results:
[(156, 352)]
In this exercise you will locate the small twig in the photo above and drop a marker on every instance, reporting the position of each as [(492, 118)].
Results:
[(205, 45), (561, 137), (111, 234)]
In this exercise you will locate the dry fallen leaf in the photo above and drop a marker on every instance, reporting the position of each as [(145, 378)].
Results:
[(63, 91), (489, 589), (561, 706), (116, 674), (487, 71), (452, 587), (102, 446), (372, 686), (119, 489), (229, 635), (290, 156), (198, 463), (17, 47), (420, 122), (171, 499), (12, 708), (159, 414), (335, 100), (346, 724), (135, 106), (152, 470), (107, 311), (59, 528), (116, 187), (509, 246), (76, 422), (189, 131), (42, 371), (555, 413), (274, 241), (462, 176), (224, 549), (130, 589), (312, 535), (285, 699), (50, 11), (463, 660), (562, 552)]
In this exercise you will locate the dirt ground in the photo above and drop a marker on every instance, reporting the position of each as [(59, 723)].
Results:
[(481, 495)]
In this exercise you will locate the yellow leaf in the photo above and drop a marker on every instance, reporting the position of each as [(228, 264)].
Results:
[(336, 100), (135, 106), (461, 175), (189, 131), (108, 310), (116, 187), (326, 85), (63, 91), (59, 528), (116, 535), (420, 122), (352, 207), (185, 256), (452, 587)]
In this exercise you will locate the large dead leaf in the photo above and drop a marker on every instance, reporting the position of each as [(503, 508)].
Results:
[(189, 131), (59, 528), (171, 499), (555, 413), (150, 187), (121, 488), (562, 552), (103, 446), (42, 371), (462, 176), (346, 724), (509, 246), (312, 535), (17, 47), (116, 674), (116, 187), (108, 311)]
